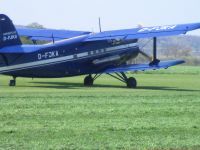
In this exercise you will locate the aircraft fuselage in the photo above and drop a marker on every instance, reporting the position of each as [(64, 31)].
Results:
[(69, 57)]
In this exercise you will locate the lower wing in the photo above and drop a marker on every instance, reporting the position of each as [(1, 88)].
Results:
[(144, 67)]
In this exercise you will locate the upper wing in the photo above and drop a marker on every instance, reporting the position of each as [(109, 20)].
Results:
[(136, 33), (144, 67), (48, 34), (146, 32)]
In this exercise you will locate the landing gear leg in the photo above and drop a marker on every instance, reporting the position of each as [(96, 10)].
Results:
[(13, 82), (130, 82)]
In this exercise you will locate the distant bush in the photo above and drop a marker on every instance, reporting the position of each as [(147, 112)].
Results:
[(193, 61)]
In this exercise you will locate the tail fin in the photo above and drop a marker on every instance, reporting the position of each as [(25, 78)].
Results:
[(8, 33)]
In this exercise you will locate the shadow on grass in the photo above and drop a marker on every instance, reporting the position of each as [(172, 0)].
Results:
[(162, 88), (65, 85), (68, 85)]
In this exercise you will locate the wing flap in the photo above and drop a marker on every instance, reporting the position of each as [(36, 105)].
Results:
[(146, 32), (144, 67)]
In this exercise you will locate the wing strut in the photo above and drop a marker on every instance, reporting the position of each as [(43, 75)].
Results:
[(155, 61)]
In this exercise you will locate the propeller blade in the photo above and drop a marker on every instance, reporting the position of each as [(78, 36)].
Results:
[(145, 55)]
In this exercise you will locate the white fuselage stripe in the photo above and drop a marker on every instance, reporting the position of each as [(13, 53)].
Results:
[(66, 58)]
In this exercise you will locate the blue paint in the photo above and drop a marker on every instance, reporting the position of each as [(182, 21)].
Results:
[(75, 52)]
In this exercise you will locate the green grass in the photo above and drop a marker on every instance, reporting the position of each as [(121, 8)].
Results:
[(163, 113)]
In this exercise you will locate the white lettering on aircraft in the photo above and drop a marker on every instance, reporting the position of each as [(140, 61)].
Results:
[(158, 28), (9, 36), (48, 55), (53, 54)]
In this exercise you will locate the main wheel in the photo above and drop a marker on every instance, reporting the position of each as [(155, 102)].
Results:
[(88, 81), (131, 82), (12, 83)]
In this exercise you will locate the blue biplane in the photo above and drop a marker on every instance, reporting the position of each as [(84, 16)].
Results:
[(74, 53)]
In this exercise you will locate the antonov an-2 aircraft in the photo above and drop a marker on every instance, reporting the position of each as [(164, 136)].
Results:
[(74, 53)]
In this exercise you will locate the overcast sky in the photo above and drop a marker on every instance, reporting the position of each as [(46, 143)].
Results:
[(115, 14)]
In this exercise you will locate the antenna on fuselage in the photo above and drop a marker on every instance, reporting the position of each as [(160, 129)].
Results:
[(100, 25)]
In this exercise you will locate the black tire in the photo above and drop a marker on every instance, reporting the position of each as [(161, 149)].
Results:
[(131, 83), (12, 83), (88, 81)]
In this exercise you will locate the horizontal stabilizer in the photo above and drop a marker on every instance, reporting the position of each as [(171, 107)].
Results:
[(20, 49), (48, 34), (144, 67)]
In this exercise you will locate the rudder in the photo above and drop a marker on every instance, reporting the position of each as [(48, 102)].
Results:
[(8, 33)]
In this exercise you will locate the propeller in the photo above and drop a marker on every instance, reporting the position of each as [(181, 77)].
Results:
[(150, 58)]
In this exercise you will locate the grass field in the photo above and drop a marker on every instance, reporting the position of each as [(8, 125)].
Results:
[(163, 113)]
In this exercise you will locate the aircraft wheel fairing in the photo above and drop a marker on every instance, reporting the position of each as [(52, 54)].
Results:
[(88, 81), (131, 82)]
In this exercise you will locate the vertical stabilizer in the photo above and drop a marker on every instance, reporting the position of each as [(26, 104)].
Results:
[(8, 33)]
